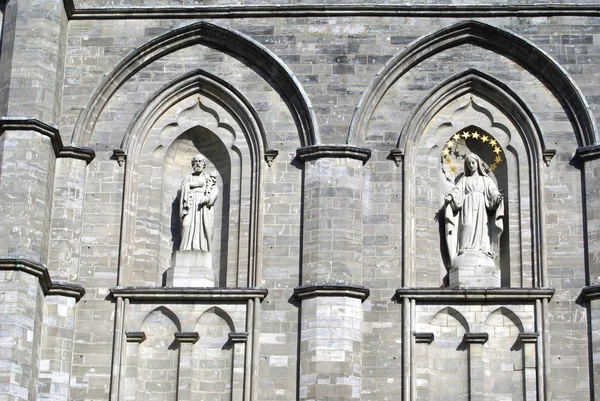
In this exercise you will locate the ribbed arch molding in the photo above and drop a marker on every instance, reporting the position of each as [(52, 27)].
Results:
[(495, 39), (228, 41)]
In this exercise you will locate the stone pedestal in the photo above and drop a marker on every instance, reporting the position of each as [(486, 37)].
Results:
[(474, 269), (191, 269)]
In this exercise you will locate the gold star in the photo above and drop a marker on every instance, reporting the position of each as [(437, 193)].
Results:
[(466, 135), (498, 159), (453, 169), (493, 142), (475, 134), (446, 152), (448, 161), (456, 137), (493, 167), (450, 144), (484, 139), (497, 150)]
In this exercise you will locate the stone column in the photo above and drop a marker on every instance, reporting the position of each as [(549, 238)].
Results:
[(239, 341), (331, 294), (589, 158), (529, 341), (476, 371), (186, 341)]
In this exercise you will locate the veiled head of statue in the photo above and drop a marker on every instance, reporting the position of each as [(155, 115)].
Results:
[(474, 166)]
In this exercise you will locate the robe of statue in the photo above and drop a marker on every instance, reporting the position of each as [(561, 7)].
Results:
[(468, 225), (198, 195)]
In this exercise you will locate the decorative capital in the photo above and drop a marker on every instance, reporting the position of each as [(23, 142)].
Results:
[(397, 156), (333, 151), (120, 156), (528, 338), (587, 153), (241, 337), (187, 337), (270, 155), (476, 338), (423, 338), (591, 292), (135, 336)]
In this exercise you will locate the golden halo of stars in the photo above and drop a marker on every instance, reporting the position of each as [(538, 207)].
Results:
[(450, 149)]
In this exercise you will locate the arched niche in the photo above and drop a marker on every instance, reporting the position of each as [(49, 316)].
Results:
[(472, 102), (197, 114)]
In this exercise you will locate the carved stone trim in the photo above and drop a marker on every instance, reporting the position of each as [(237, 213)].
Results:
[(270, 155), (397, 156), (332, 9), (333, 151), (528, 338), (33, 124), (188, 293), (187, 337), (474, 294), (587, 153), (135, 336), (331, 290), (423, 338), (120, 156), (476, 338), (591, 292), (240, 337), (41, 272)]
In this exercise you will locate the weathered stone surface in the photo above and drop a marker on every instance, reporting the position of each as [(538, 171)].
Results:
[(303, 237)]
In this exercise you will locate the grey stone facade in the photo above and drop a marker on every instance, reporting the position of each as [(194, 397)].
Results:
[(335, 131)]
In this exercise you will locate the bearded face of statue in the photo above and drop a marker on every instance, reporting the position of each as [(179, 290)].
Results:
[(198, 164)]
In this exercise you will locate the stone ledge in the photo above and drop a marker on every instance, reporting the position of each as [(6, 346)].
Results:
[(591, 292), (40, 271), (331, 9), (135, 336), (331, 290), (227, 294), (33, 124), (307, 153), (474, 294)]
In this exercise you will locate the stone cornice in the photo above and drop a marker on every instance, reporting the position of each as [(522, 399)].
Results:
[(587, 153), (33, 124), (332, 10), (474, 294), (333, 151), (174, 294), (331, 290), (41, 272)]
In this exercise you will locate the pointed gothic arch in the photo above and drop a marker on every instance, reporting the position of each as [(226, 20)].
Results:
[(498, 40), (228, 41)]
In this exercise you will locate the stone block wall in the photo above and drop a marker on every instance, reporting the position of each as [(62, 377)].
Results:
[(327, 125)]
